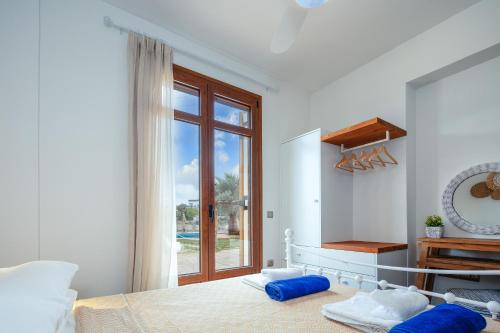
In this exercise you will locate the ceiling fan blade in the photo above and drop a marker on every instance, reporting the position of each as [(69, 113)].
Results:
[(288, 29)]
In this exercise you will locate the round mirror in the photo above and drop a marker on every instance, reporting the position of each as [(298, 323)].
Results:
[(471, 200)]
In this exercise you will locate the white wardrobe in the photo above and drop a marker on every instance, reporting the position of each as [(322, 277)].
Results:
[(316, 203), (316, 199)]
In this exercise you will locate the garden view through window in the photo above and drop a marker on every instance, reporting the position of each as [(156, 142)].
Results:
[(187, 188)]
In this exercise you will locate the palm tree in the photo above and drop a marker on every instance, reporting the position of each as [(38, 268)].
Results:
[(227, 191)]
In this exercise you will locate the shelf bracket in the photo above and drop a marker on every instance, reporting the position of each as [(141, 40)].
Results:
[(387, 138)]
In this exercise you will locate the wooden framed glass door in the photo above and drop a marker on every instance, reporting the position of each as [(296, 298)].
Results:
[(218, 178)]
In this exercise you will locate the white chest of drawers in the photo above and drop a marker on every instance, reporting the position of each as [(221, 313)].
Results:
[(329, 258)]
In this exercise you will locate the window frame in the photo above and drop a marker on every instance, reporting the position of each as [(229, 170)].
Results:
[(208, 89)]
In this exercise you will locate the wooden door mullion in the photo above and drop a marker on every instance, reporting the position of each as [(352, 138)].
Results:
[(212, 224)]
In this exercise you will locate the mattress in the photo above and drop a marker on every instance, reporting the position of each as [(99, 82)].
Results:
[(217, 306)]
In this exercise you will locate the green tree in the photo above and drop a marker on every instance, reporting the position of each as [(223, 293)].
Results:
[(181, 210), (227, 191), (190, 213)]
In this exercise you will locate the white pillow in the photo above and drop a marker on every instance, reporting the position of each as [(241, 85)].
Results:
[(67, 320), (69, 326), (34, 296)]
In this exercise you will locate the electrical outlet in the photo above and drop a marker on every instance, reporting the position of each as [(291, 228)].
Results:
[(270, 214), (270, 263)]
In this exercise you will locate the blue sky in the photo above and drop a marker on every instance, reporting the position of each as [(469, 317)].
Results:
[(186, 141)]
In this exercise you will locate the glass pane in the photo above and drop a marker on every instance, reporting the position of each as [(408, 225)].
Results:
[(231, 112), (186, 99), (187, 196), (232, 193)]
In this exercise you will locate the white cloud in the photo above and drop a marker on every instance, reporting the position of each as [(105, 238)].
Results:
[(236, 170), (187, 182), (189, 173), (220, 134), (232, 117), (222, 156), (219, 144), (186, 192), (219, 139)]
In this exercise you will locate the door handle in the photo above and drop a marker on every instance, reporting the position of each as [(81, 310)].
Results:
[(211, 212)]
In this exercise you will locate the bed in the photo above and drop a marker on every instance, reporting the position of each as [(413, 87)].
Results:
[(217, 306)]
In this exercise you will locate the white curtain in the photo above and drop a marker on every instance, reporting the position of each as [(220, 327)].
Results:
[(153, 258)]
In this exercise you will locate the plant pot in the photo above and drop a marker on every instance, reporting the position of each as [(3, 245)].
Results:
[(434, 232)]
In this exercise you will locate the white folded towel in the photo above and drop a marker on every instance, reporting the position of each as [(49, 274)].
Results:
[(281, 273), (256, 280), (398, 304), (377, 311), (368, 327)]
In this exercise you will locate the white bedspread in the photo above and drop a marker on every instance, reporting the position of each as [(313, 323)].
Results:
[(217, 306)]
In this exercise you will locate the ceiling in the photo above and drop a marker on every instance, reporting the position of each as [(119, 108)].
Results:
[(335, 39)]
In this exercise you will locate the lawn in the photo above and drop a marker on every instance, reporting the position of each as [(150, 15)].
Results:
[(193, 245)]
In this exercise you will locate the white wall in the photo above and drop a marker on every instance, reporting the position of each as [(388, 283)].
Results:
[(379, 88), (18, 131), (457, 127), (83, 172)]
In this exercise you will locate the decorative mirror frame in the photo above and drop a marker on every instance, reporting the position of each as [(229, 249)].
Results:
[(447, 200)]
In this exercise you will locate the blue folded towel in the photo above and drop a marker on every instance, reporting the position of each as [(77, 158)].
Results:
[(443, 318), (282, 290)]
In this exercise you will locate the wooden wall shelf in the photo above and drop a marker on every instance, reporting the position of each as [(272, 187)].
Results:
[(367, 247), (366, 132)]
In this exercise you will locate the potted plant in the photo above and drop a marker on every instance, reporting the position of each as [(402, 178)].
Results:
[(434, 226)]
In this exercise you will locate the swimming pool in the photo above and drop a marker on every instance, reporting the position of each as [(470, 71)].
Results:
[(188, 235)]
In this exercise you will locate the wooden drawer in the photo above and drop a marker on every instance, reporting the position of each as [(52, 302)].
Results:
[(361, 257)]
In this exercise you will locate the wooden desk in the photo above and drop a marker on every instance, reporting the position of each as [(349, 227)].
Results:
[(430, 257)]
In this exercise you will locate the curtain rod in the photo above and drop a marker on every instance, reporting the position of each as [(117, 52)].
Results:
[(108, 22)]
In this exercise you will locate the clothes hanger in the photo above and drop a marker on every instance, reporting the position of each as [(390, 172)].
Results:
[(375, 158), (349, 163), (356, 163), (383, 149), (364, 158), (342, 164)]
